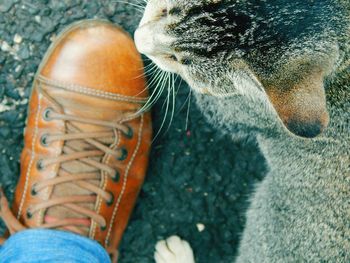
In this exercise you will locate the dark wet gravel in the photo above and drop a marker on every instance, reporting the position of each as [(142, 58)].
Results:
[(197, 177)]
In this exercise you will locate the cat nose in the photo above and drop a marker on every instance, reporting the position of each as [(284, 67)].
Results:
[(150, 40), (144, 40)]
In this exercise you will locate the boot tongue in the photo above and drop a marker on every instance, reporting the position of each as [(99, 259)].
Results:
[(76, 105), (71, 189)]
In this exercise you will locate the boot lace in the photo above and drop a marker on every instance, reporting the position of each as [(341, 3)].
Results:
[(95, 147)]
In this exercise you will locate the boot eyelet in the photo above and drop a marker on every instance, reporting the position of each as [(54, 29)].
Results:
[(47, 113), (111, 201), (43, 140), (130, 133), (103, 228), (33, 192), (40, 165), (124, 154), (29, 214), (116, 177)]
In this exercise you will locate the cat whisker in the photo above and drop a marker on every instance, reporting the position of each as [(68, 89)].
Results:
[(186, 100), (143, 1), (156, 72), (167, 98), (167, 80), (147, 71), (155, 92), (164, 80), (172, 91), (149, 65), (150, 68), (188, 110), (141, 5), (137, 7), (158, 79), (144, 68), (179, 86), (152, 99), (159, 91)]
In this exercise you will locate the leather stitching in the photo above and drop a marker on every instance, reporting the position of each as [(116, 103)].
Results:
[(32, 156), (125, 180), (99, 202), (89, 91)]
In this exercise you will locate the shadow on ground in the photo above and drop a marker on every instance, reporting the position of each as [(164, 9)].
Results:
[(197, 177)]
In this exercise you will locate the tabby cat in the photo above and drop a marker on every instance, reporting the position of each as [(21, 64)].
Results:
[(277, 70)]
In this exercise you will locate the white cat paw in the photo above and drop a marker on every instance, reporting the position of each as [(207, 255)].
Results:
[(173, 250)]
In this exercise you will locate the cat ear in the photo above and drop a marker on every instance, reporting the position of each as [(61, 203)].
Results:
[(302, 107)]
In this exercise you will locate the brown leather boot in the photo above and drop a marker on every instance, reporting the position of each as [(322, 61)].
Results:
[(87, 138)]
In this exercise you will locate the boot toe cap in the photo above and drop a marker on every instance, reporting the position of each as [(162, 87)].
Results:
[(98, 55)]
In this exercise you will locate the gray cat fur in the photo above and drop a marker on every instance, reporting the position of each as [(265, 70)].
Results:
[(301, 210), (233, 49)]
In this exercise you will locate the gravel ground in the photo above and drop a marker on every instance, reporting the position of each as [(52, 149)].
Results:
[(199, 180)]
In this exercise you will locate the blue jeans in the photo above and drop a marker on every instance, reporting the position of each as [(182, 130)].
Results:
[(40, 245)]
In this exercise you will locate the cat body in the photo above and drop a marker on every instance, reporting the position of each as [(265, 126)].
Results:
[(300, 212), (279, 71)]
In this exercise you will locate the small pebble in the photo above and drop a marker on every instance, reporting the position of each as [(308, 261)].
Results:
[(17, 39), (37, 19), (5, 46), (200, 227)]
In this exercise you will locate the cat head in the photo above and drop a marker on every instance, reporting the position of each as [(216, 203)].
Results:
[(278, 48)]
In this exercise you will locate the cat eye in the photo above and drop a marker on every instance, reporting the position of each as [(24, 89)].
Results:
[(164, 13), (173, 57), (175, 11)]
